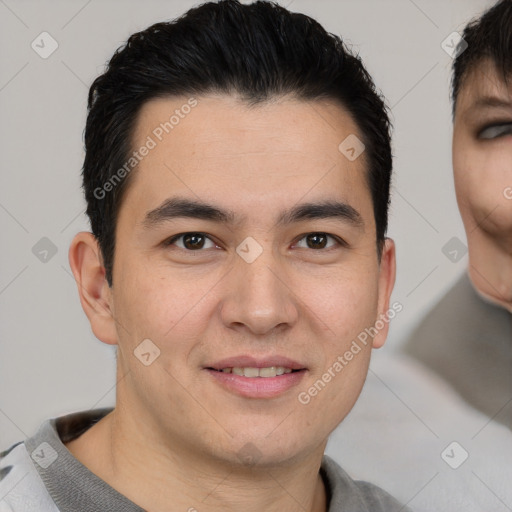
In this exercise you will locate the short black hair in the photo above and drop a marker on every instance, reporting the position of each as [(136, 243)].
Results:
[(487, 37), (257, 51)]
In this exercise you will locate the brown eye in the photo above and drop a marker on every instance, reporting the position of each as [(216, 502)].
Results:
[(318, 241), (191, 241)]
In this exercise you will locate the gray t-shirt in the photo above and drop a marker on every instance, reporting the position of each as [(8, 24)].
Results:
[(468, 342), (41, 474)]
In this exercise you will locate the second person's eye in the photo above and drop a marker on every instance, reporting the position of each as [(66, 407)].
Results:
[(496, 130)]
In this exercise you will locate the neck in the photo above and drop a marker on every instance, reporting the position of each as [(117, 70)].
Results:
[(490, 268), (126, 453)]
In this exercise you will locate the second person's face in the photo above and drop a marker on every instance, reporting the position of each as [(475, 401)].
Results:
[(482, 163)]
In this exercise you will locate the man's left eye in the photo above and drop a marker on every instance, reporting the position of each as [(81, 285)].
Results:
[(319, 241)]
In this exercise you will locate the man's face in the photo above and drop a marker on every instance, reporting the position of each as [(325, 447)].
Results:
[(266, 288), (482, 158)]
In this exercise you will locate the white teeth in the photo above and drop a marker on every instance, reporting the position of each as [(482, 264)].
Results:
[(271, 371), (251, 372), (268, 372)]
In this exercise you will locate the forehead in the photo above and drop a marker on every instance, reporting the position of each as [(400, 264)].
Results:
[(224, 148), (289, 124), (482, 88)]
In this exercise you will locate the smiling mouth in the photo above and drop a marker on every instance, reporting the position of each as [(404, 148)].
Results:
[(251, 372)]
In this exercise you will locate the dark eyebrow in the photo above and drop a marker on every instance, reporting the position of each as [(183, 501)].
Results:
[(180, 207), (491, 101), (322, 210)]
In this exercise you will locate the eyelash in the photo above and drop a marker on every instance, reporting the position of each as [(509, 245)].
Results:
[(340, 242)]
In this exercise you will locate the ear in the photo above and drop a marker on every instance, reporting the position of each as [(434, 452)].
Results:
[(86, 264), (387, 273)]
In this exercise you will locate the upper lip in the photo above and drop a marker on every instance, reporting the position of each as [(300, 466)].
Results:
[(246, 361)]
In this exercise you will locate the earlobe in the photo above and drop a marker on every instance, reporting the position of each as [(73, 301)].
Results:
[(387, 273), (95, 295)]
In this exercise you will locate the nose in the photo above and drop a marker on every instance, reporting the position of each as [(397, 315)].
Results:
[(259, 296)]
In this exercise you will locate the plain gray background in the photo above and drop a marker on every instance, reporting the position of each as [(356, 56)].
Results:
[(51, 363)]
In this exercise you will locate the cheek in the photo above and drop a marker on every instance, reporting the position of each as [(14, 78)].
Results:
[(172, 316), (483, 180), (155, 303), (346, 303)]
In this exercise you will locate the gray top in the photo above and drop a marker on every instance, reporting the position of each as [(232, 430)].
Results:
[(41, 474), (468, 342)]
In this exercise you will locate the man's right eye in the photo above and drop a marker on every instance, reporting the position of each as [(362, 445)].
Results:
[(495, 130), (192, 241)]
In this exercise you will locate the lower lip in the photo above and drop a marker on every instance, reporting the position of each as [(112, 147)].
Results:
[(257, 387)]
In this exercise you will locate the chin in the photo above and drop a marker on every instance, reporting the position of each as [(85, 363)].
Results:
[(495, 220), (262, 451), (488, 292), (255, 456)]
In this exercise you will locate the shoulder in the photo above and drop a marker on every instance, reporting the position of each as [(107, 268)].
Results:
[(357, 496), (21, 488)]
